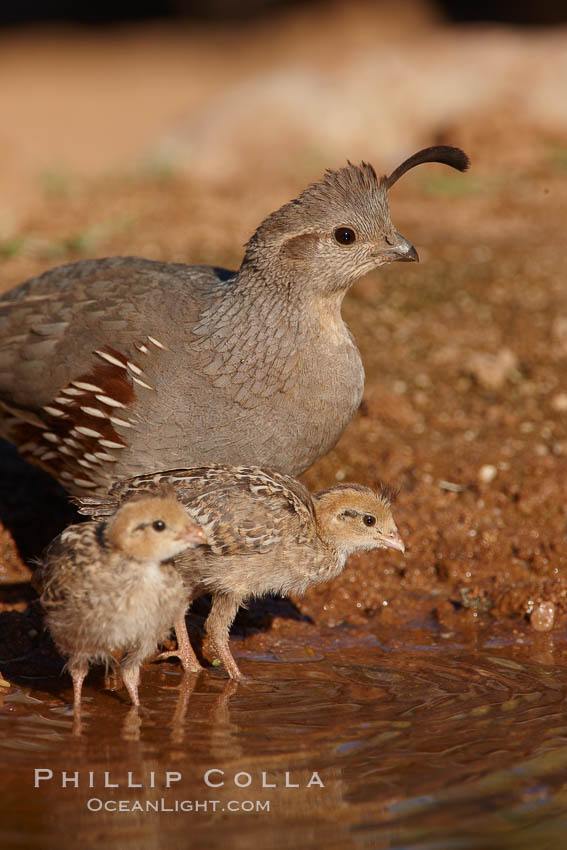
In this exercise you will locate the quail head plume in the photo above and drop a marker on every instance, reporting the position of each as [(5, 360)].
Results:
[(105, 586), (113, 367), (265, 534)]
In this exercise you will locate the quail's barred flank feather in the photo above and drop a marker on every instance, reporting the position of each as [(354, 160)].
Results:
[(112, 367), (265, 534)]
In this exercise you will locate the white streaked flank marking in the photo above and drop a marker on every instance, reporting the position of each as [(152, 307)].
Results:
[(71, 442), (83, 482), (111, 402), (120, 422), (156, 342), (94, 411), (134, 368), (53, 438), (53, 411), (106, 456), (142, 383), (90, 388), (72, 391), (110, 444), (143, 348), (87, 432), (91, 457), (110, 359), (82, 462)]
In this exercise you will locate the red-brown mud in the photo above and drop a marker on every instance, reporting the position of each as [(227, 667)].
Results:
[(464, 407)]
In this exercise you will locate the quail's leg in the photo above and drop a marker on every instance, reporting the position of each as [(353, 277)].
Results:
[(184, 650), (78, 668), (131, 679), (218, 624)]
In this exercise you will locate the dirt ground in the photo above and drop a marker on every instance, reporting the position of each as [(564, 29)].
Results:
[(465, 406)]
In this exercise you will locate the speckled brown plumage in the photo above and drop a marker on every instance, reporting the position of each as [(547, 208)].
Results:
[(265, 534), (106, 586), (113, 367)]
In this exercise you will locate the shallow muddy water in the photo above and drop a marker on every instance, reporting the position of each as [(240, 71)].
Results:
[(433, 740)]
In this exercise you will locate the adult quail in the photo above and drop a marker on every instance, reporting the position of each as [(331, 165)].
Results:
[(105, 586), (265, 534), (114, 367)]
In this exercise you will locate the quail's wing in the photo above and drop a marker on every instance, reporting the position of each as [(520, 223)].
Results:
[(248, 509), (81, 347), (97, 507), (70, 553), (52, 326), (241, 509)]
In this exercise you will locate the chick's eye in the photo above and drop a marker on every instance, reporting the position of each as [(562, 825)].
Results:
[(158, 525), (368, 519), (345, 235)]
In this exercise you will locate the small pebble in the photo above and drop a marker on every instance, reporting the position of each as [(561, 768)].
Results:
[(543, 616), (559, 402), (487, 473), (422, 380), (492, 370)]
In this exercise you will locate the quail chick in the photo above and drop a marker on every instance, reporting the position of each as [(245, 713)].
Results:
[(111, 586), (113, 367), (265, 534)]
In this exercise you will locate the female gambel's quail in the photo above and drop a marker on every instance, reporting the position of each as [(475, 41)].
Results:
[(114, 367), (105, 586), (266, 534)]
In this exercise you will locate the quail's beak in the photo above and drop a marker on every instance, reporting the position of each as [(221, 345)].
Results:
[(195, 537), (392, 541), (402, 251)]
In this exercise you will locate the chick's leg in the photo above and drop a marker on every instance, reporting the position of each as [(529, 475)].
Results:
[(78, 668), (131, 679), (218, 624), (184, 650), (131, 662)]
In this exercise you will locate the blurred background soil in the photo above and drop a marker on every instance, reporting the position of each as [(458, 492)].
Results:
[(172, 140)]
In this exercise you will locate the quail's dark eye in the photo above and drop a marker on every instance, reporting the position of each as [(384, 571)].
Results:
[(345, 235), (368, 519), (158, 525)]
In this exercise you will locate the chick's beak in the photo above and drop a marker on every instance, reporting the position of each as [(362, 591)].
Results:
[(392, 541), (402, 251), (194, 536)]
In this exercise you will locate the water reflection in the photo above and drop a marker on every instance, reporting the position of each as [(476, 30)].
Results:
[(378, 743)]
